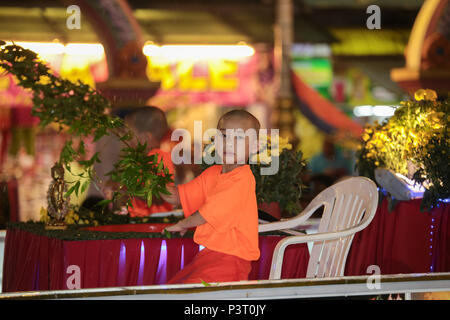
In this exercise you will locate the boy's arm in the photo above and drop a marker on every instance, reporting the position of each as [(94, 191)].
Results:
[(173, 198), (193, 220)]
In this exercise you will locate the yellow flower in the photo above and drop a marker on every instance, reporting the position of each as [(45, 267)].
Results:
[(44, 80), (265, 158), (254, 158), (275, 152), (44, 217), (425, 94)]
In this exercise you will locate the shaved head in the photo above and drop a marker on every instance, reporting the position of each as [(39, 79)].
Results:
[(241, 116), (149, 119)]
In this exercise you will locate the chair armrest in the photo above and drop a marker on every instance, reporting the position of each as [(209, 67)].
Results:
[(321, 200), (330, 235), (291, 223), (278, 253)]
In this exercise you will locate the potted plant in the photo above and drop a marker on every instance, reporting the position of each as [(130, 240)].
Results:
[(414, 142), (81, 111)]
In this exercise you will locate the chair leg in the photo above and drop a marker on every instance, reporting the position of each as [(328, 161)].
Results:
[(277, 259)]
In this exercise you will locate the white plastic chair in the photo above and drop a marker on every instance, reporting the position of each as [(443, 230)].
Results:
[(349, 207)]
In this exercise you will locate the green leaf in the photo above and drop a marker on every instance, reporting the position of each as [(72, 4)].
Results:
[(149, 199), (206, 284), (164, 191), (84, 186), (167, 234), (160, 167), (69, 192), (77, 187), (103, 203)]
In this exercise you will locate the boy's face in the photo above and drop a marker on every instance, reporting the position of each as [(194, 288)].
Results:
[(236, 148)]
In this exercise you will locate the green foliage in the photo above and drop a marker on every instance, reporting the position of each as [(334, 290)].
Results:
[(136, 166), (285, 187), (414, 142), (83, 112)]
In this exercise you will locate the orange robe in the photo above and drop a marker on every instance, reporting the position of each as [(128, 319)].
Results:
[(227, 201), (140, 208)]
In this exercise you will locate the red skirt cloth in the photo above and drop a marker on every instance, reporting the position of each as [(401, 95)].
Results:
[(212, 266)]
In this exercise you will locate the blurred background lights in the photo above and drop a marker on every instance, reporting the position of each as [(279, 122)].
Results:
[(177, 52), (378, 111)]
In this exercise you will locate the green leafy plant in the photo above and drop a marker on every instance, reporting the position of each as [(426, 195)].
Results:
[(81, 111)]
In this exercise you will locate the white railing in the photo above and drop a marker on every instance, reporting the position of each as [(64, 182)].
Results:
[(2, 250), (264, 289)]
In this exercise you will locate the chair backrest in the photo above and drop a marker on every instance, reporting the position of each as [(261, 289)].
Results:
[(348, 204)]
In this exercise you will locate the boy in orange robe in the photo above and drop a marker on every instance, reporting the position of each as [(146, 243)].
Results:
[(221, 204), (150, 125)]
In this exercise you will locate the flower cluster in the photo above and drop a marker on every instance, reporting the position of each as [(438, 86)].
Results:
[(72, 217), (270, 149), (414, 142)]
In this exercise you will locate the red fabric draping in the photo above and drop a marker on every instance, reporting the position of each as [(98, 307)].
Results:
[(33, 262), (21, 117), (12, 199), (5, 124), (405, 240), (28, 264), (13, 196)]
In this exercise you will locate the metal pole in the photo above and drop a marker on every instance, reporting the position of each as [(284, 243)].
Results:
[(282, 115)]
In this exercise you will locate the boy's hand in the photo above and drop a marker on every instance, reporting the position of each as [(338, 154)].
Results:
[(177, 228), (182, 226), (173, 198)]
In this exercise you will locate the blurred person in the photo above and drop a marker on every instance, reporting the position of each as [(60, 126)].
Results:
[(108, 148), (149, 125), (327, 167)]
